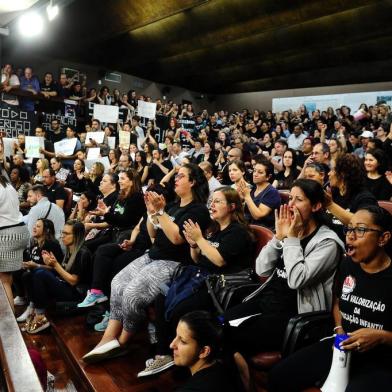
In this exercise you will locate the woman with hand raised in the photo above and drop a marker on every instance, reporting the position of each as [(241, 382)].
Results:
[(138, 284), (299, 262)]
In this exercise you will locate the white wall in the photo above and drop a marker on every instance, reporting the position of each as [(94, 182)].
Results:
[(262, 100)]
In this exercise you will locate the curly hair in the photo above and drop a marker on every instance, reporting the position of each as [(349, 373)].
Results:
[(349, 169)]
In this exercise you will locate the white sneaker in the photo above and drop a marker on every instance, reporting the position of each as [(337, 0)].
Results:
[(158, 365), (107, 350), (24, 316), (20, 301)]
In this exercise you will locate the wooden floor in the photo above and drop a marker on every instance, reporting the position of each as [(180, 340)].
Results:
[(69, 339)]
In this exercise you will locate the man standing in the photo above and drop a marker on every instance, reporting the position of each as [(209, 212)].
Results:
[(41, 207), (29, 82)]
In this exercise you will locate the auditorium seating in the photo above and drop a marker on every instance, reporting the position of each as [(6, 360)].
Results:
[(68, 201), (284, 196), (386, 205)]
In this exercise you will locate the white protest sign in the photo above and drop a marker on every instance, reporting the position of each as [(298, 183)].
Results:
[(9, 146), (124, 139), (97, 136), (146, 109), (93, 153), (65, 146), (33, 145), (104, 160), (112, 142), (106, 113)]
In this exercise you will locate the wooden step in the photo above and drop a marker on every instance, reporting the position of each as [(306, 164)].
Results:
[(74, 340)]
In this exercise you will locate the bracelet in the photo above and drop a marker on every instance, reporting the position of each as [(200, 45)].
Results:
[(193, 246), (336, 328)]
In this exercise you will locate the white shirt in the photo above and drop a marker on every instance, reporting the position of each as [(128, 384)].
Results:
[(56, 215), (8, 97), (9, 206)]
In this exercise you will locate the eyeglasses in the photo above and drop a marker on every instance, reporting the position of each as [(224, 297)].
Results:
[(359, 231), (179, 176), (64, 233)]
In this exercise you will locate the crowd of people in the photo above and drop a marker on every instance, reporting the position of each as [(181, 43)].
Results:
[(177, 204)]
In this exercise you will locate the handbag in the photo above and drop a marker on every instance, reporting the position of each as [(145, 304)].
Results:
[(227, 290), (187, 281)]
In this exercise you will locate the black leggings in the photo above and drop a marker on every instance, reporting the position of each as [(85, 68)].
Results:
[(310, 366), (260, 333), (109, 260)]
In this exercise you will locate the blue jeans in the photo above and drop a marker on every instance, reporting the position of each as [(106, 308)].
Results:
[(46, 287)]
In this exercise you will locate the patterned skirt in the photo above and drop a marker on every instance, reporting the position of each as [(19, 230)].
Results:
[(13, 241)]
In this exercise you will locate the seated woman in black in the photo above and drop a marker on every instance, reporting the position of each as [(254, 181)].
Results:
[(76, 180), (376, 165), (300, 262), (348, 190), (110, 259), (43, 239), (86, 203), (124, 214), (263, 199), (285, 178), (197, 345), (226, 248), (362, 309), (61, 281)]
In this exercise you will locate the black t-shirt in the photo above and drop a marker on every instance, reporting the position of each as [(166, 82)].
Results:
[(278, 297), (380, 187), (82, 266), (56, 192), (234, 245), (163, 248), (50, 246), (365, 301), (361, 199), (215, 378), (156, 173), (286, 182)]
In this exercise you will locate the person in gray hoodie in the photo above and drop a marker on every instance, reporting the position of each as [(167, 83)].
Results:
[(299, 264)]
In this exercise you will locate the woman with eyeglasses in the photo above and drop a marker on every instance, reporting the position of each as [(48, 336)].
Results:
[(225, 248), (138, 284), (362, 309), (60, 281)]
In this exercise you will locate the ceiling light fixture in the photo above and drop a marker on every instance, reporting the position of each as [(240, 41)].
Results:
[(31, 24), (52, 10)]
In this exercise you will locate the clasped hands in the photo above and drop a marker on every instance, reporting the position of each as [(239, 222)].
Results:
[(154, 202), (49, 258)]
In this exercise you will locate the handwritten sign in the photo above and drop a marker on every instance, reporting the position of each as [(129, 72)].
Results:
[(124, 139), (146, 109), (97, 136), (93, 153), (106, 113), (15, 121), (33, 145), (65, 146)]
